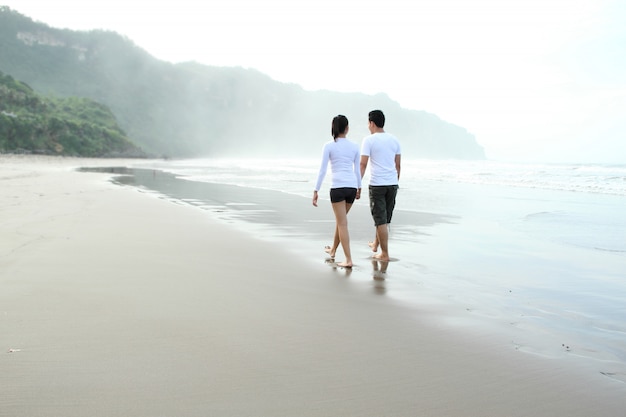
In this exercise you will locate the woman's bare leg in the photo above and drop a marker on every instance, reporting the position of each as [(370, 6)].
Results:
[(332, 250), (341, 210)]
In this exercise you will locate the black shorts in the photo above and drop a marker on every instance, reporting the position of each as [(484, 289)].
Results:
[(346, 194), (382, 202)]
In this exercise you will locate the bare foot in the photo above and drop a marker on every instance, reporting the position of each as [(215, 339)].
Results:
[(345, 265), (329, 251), (380, 257), (373, 246)]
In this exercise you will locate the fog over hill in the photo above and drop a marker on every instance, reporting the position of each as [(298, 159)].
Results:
[(191, 110)]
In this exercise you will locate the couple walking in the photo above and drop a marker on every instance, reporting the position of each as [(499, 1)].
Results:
[(381, 151)]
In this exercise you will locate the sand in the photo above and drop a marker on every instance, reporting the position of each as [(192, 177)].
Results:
[(114, 302)]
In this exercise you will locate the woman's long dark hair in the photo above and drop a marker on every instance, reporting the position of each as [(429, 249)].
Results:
[(340, 123)]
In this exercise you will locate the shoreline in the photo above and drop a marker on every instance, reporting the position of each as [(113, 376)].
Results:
[(116, 301), (457, 261)]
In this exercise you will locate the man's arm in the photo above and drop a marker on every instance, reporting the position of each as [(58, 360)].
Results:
[(364, 160), (397, 165)]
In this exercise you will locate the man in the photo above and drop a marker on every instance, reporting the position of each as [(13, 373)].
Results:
[(382, 151)]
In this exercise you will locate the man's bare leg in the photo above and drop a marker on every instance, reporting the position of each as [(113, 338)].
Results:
[(382, 233), (374, 244)]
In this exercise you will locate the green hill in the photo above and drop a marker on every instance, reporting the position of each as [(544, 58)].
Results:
[(189, 109), (69, 126)]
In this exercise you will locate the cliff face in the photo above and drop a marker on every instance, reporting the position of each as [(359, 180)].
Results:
[(187, 110)]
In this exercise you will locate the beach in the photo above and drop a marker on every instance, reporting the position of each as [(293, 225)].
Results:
[(116, 301)]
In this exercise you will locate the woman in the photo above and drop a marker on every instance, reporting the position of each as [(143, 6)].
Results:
[(344, 157)]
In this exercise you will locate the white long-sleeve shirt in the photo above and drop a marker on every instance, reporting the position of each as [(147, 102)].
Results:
[(344, 157)]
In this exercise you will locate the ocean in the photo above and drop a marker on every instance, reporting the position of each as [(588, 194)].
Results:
[(536, 252)]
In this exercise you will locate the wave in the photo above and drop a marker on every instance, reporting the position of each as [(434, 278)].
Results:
[(598, 179)]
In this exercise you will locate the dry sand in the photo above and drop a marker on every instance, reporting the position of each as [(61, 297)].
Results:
[(114, 302)]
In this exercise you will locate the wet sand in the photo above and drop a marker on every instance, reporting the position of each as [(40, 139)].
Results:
[(116, 302)]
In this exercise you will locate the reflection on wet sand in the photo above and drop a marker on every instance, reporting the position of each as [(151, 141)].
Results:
[(379, 272), (333, 264), (379, 269)]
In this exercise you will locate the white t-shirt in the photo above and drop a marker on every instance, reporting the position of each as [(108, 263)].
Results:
[(382, 148), (344, 159)]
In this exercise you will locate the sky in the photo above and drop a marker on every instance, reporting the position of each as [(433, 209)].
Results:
[(533, 80)]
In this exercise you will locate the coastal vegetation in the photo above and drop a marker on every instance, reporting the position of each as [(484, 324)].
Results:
[(30, 123), (194, 110)]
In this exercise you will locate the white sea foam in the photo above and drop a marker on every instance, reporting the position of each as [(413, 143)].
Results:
[(297, 175)]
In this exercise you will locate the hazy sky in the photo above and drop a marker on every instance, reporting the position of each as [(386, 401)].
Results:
[(540, 80)]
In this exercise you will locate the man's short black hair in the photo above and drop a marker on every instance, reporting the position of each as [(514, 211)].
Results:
[(377, 117)]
